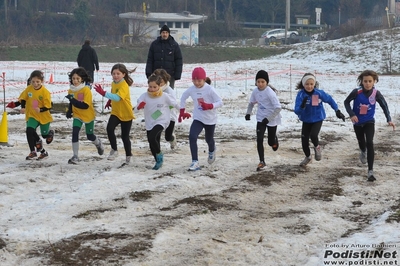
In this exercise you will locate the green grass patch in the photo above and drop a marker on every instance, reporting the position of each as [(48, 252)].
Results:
[(137, 54)]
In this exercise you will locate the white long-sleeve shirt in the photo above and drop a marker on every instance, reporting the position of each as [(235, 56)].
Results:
[(157, 110), (268, 106), (171, 92), (205, 94)]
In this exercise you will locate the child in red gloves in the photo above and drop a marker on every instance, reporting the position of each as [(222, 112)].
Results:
[(81, 110), (36, 103), (205, 101), (157, 112), (121, 109)]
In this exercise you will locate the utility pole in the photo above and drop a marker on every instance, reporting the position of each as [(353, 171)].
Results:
[(287, 24), (5, 11), (215, 9)]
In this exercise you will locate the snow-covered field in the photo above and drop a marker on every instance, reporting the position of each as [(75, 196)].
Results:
[(95, 213)]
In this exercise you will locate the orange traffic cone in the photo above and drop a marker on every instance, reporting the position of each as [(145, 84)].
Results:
[(51, 80)]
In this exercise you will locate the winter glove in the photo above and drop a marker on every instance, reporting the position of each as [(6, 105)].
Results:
[(265, 121), (99, 89), (303, 103), (247, 117), (108, 105), (183, 115), (206, 106), (340, 115), (141, 105), (69, 97), (11, 105), (69, 113)]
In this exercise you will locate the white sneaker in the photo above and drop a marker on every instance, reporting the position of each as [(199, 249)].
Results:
[(128, 159), (73, 160), (100, 148), (363, 157), (194, 166), (173, 142), (318, 155), (305, 161), (113, 155), (212, 155)]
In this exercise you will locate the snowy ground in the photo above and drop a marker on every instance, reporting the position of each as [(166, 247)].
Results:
[(53, 213)]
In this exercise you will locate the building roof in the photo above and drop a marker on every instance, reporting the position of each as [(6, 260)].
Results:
[(164, 17)]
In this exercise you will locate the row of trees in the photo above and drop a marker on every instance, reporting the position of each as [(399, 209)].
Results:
[(33, 21)]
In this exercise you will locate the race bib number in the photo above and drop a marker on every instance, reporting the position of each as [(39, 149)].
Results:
[(156, 114), (363, 109), (315, 100)]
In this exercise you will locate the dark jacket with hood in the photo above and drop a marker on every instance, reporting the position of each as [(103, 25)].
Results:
[(87, 58), (165, 54)]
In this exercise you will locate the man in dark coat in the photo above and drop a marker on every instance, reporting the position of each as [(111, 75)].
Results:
[(87, 58), (165, 53)]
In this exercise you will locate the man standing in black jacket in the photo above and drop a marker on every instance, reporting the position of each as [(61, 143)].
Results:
[(165, 53), (87, 58)]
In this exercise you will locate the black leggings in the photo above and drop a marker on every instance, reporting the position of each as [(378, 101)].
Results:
[(260, 129), (113, 122), (365, 137), (153, 137), (310, 130), (170, 131), (32, 137)]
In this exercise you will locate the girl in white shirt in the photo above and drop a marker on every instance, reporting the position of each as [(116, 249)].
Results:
[(268, 114), (169, 131), (205, 102), (157, 114)]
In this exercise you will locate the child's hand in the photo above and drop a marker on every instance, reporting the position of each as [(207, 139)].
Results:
[(10, 105), (354, 119), (206, 106), (22, 111), (141, 105), (393, 125), (99, 89), (108, 105), (183, 115)]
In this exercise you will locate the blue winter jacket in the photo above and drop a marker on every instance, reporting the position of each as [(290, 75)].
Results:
[(312, 114)]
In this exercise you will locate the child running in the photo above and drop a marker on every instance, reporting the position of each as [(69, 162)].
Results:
[(310, 110), (205, 102), (157, 112), (81, 110), (362, 115), (121, 110), (268, 114), (36, 103), (169, 131)]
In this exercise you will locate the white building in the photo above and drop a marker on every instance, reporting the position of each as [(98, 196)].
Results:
[(184, 26)]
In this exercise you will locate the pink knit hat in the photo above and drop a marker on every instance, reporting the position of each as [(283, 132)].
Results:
[(199, 73)]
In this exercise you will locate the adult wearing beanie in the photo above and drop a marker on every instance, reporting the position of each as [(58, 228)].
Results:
[(165, 53), (87, 58)]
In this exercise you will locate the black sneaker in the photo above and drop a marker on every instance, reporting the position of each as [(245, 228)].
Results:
[(261, 165), (39, 146), (43, 155), (31, 156), (371, 177), (49, 138), (276, 145)]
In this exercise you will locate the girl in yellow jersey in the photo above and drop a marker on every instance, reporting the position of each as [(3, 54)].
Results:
[(36, 103), (81, 109), (121, 109)]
